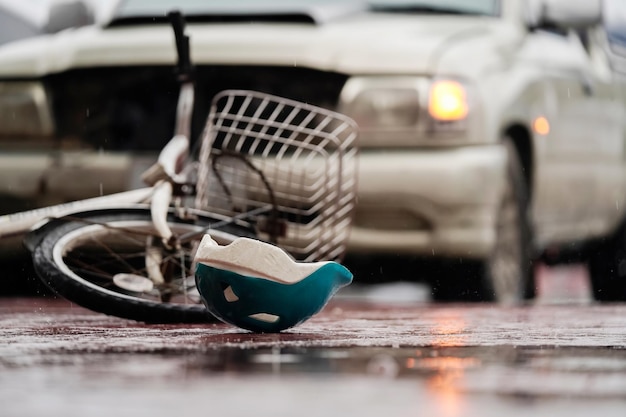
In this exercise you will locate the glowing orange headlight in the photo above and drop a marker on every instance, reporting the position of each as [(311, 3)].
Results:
[(447, 101)]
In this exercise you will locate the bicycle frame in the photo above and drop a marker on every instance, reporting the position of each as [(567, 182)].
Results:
[(173, 156), (20, 223)]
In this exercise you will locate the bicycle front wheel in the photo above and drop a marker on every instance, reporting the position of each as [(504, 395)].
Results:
[(113, 262)]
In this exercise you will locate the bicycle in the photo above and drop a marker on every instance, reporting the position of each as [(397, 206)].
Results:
[(268, 168)]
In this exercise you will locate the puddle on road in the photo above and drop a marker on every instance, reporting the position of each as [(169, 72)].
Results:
[(434, 381), (463, 361), (525, 372), (586, 372)]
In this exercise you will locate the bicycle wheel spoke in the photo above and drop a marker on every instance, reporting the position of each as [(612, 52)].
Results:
[(101, 261)]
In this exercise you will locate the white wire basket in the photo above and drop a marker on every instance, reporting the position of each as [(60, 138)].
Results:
[(290, 165)]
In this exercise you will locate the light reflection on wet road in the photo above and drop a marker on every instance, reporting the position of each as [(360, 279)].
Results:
[(356, 358), (365, 356)]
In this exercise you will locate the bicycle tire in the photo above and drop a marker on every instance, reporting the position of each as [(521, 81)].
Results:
[(57, 261)]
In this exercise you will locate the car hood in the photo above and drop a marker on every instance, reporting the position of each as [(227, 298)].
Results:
[(361, 44)]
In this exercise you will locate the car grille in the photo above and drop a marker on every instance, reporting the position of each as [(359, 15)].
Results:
[(123, 108)]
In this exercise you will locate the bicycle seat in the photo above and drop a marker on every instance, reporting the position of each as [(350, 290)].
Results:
[(257, 286)]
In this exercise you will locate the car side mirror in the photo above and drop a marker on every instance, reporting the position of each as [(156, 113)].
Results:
[(68, 14), (565, 14)]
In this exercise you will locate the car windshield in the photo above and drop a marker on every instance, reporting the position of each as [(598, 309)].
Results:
[(143, 8)]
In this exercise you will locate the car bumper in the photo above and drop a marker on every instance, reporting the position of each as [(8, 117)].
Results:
[(428, 202), (58, 177)]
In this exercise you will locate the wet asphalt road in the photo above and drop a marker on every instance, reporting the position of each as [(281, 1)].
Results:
[(362, 356)]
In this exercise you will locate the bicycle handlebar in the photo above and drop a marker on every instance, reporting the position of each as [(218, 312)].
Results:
[(184, 67)]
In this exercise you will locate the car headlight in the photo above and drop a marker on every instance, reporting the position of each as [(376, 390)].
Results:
[(450, 105), (406, 110), (447, 101), (24, 109), (382, 103)]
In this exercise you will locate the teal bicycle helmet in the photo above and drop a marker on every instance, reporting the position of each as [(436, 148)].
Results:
[(257, 286)]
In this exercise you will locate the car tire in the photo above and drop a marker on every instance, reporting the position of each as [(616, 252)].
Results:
[(607, 268), (506, 276)]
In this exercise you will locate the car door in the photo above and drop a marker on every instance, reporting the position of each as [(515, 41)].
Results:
[(583, 153)]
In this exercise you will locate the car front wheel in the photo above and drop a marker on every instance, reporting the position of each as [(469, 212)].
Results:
[(505, 276)]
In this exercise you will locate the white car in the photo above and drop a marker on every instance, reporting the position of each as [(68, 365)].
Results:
[(492, 131)]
